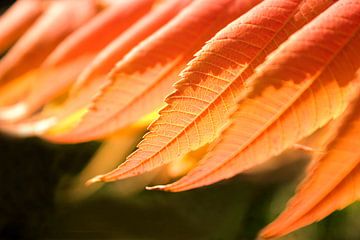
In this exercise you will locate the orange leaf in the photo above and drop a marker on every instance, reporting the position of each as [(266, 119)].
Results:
[(317, 142), (211, 84), (16, 20), (108, 24), (81, 97), (45, 84), (117, 49), (145, 76), (305, 83), (51, 82), (343, 195), (12, 92), (332, 182), (60, 18), (54, 115)]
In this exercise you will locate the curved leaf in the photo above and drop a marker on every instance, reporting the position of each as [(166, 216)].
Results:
[(60, 18), (331, 183), (53, 83), (305, 83), (16, 20), (56, 117), (45, 84), (145, 76), (211, 84), (83, 44), (108, 24), (117, 49)]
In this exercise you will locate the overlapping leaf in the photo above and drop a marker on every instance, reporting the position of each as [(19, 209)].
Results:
[(15, 21), (108, 24), (59, 19), (308, 81), (145, 76), (93, 74), (81, 45), (332, 182), (115, 51), (43, 85), (214, 80), (273, 100)]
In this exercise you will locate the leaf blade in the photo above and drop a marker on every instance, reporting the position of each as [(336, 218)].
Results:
[(258, 20), (118, 48), (330, 183), (56, 23), (158, 60), (266, 124), (108, 24), (16, 20)]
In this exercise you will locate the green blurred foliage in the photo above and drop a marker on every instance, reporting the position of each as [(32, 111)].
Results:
[(32, 173)]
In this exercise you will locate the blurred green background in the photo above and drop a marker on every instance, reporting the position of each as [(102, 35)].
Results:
[(33, 174), (35, 178)]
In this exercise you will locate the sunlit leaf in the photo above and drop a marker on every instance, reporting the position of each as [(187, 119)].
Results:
[(332, 180), (210, 86), (145, 76), (108, 24), (305, 83), (57, 21), (16, 20)]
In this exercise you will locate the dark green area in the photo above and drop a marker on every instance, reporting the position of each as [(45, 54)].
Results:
[(31, 171)]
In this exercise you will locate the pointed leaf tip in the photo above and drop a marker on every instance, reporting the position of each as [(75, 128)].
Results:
[(93, 180), (156, 188)]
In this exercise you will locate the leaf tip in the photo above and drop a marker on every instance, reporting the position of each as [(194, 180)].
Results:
[(262, 236), (157, 187), (93, 180)]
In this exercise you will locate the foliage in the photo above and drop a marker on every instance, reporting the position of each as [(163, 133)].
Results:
[(238, 83)]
